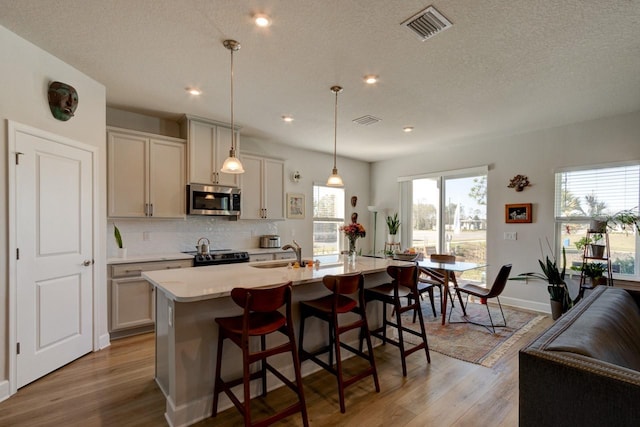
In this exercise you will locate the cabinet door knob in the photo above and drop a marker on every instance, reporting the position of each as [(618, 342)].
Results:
[(87, 262)]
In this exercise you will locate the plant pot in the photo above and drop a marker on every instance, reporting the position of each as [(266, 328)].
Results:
[(597, 251), (598, 226), (556, 309), (122, 252), (392, 238)]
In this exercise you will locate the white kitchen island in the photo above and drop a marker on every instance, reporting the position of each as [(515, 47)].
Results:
[(187, 302)]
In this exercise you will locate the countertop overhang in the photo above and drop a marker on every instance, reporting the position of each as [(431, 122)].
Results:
[(201, 283)]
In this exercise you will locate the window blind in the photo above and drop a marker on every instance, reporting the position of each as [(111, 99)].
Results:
[(328, 203), (596, 192)]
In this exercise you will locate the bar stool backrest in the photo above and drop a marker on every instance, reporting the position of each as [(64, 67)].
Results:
[(262, 300), (344, 284), (406, 276)]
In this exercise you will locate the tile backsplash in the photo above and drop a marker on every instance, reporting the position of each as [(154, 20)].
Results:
[(159, 236)]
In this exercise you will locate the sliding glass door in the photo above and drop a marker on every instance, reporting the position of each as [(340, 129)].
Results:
[(447, 213)]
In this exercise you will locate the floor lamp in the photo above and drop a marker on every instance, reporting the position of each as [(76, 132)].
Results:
[(375, 225)]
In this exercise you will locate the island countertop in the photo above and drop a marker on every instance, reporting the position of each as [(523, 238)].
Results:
[(201, 283)]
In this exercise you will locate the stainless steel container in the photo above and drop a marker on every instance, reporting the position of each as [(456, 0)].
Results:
[(270, 241)]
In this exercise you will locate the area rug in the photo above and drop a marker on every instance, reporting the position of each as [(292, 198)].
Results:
[(469, 342)]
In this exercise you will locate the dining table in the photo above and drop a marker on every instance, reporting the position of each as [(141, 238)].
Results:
[(447, 268)]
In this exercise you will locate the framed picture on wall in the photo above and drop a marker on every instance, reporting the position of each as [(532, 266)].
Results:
[(517, 213), (295, 206)]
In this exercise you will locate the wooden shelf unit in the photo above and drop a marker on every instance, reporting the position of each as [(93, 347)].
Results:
[(588, 257)]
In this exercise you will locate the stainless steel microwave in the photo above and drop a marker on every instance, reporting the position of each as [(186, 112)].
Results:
[(213, 200)]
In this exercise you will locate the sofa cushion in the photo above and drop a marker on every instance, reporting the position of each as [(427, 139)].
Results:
[(609, 331)]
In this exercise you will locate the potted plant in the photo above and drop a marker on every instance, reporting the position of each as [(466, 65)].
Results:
[(628, 218), (555, 277), (393, 224), (595, 271), (122, 251)]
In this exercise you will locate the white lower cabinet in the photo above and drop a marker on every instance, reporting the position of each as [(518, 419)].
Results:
[(132, 298)]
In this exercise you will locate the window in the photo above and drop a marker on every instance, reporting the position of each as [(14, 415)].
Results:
[(598, 191), (328, 216), (447, 214)]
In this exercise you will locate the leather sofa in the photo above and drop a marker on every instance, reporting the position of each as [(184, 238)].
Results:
[(584, 370)]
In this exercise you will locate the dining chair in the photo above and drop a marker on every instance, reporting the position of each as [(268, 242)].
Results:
[(261, 317), (430, 278), (486, 294)]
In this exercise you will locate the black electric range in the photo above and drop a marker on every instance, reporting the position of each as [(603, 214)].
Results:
[(219, 256)]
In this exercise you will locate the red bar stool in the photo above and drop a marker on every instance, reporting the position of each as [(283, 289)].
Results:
[(329, 308), (403, 285), (260, 318)]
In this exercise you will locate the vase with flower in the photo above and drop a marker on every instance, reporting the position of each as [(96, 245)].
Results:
[(353, 231)]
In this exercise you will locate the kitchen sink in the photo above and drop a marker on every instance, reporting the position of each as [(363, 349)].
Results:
[(286, 263), (271, 264)]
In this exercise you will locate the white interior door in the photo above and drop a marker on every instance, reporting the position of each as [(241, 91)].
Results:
[(54, 269)]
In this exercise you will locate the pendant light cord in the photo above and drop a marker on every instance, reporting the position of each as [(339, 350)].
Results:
[(233, 134), (335, 131)]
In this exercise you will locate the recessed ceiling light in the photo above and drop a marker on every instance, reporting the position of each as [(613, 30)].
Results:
[(407, 129), (287, 119), (370, 79), (194, 91), (261, 20)]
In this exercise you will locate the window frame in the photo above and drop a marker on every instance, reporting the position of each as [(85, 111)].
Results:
[(561, 222), (339, 221)]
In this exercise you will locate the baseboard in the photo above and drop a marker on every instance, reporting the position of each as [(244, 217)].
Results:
[(4, 390), (103, 341), (526, 304)]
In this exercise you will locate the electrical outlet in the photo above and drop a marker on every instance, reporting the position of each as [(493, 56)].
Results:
[(510, 235), (146, 236)]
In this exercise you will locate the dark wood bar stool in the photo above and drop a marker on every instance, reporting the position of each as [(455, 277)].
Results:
[(260, 318), (404, 284), (329, 308)]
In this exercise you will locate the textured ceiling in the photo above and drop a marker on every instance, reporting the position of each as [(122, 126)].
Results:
[(504, 67)]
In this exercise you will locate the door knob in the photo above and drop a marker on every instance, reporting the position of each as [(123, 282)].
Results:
[(87, 262)]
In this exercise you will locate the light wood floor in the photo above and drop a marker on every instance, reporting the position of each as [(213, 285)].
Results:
[(115, 387)]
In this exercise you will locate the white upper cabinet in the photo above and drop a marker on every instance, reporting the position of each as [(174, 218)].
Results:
[(145, 174), (208, 145), (262, 188)]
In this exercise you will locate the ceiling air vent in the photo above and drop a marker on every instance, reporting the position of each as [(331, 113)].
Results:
[(366, 120), (427, 23)]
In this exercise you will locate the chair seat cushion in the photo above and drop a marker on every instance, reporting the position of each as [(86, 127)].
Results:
[(325, 304), (259, 323), (429, 281), (385, 291), (474, 290)]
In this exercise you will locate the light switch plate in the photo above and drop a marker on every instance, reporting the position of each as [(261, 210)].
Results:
[(510, 235)]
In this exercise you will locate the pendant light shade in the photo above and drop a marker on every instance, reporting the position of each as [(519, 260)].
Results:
[(335, 180), (232, 164)]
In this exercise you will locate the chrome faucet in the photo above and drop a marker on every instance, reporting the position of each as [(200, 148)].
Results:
[(297, 250)]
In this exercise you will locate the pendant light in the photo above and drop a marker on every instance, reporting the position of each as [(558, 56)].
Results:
[(232, 163), (335, 180)]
